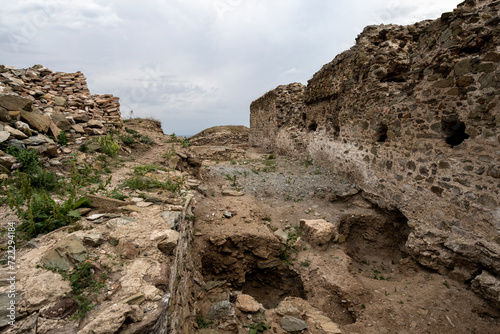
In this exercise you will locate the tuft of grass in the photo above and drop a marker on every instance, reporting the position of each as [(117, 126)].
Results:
[(62, 138), (109, 145)]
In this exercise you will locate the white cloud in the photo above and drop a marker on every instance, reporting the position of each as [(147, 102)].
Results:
[(192, 63)]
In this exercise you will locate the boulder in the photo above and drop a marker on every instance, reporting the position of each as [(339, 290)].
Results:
[(247, 303), (488, 286), (65, 254), (14, 102), (318, 232), (172, 218), (38, 122), (94, 239)]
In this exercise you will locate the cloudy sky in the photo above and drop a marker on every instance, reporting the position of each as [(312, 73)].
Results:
[(192, 64)]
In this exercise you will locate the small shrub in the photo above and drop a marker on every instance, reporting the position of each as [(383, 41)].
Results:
[(109, 145), (127, 140), (62, 138), (146, 140), (257, 328), (131, 131), (28, 158)]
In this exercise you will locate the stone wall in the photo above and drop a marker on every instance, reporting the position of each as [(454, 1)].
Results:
[(58, 92), (411, 115)]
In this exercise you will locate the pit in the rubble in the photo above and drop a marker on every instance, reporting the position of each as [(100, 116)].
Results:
[(271, 286), (376, 243)]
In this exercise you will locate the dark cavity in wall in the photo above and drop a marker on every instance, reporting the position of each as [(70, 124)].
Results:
[(376, 243), (381, 133), (454, 131)]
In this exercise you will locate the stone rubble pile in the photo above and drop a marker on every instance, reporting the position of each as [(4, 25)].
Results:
[(37, 105)]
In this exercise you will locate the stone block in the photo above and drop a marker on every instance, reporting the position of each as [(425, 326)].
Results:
[(318, 232)]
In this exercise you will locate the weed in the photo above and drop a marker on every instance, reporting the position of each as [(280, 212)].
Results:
[(143, 170), (267, 218), (446, 284), (127, 140), (256, 328), (232, 179), (28, 158), (62, 138), (170, 153), (85, 286), (270, 157), (309, 161), (306, 263), (203, 323), (131, 131), (117, 194), (146, 140), (289, 248), (109, 145)]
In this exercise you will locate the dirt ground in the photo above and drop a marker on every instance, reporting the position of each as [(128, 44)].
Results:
[(367, 284)]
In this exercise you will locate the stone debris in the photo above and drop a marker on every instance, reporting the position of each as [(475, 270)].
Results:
[(111, 319), (221, 310), (247, 303), (65, 254), (318, 232), (292, 324)]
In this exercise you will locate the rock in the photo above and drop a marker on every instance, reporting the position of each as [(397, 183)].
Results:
[(227, 214), (292, 324), (117, 222), (282, 235), (38, 122), (221, 310), (105, 203), (7, 161), (194, 162), (94, 239), (172, 218), (168, 244), (96, 216), (23, 127), (65, 254), (14, 102), (4, 135), (5, 115), (318, 232), (80, 117), (247, 303), (55, 131), (136, 299), (15, 133), (61, 121), (42, 289), (127, 249), (233, 193), (78, 128), (59, 101), (111, 319), (213, 284), (488, 286), (94, 124), (59, 309)]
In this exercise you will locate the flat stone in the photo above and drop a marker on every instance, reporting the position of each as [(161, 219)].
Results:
[(94, 124), (111, 319), (282, 235), (59, 101), (96, 216), (94, 239), (44, 288), (221, 310), (127, 249), (4, 313), (78, 128), (15, 133), (105, 203), (247, 303), (131, 208), (233, 193), (172, 218), (61, 121), (117, 222), (136, 299), (36, 121), (65, 254), (54, 130), (292, 324), (36, 140), (143, 204), (213, 284), (14, 102)]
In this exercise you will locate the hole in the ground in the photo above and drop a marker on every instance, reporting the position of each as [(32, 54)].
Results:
[(454, 130), (376, 244), (381, 133), (270, 286)]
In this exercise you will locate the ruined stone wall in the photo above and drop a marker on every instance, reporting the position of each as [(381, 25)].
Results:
[(58, 92), (411, 114)]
